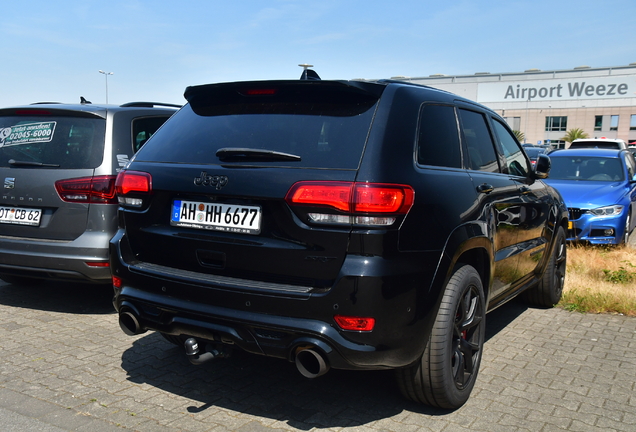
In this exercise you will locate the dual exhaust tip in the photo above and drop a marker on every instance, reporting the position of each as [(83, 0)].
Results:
[(309, 360), (310, 363)]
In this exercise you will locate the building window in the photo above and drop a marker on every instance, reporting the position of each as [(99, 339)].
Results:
[(557, 144), (598, 123), (513, 122), (614, 123), (632, 122), (556, 124)]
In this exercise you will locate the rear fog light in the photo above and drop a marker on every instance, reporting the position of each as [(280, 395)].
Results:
[(355, 323)]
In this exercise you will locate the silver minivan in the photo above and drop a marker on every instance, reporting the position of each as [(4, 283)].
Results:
[(58, 164)]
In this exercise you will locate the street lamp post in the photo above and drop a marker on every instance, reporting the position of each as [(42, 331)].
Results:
[(106, 76)]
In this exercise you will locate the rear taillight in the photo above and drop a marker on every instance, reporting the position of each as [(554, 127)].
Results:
[(132, 187), (90, 190), (369, 204)]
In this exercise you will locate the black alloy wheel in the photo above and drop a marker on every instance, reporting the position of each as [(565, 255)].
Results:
[(549, 290), (447, 371)]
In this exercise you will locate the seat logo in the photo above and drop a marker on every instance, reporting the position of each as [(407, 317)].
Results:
[(9, 182), (217, 181)]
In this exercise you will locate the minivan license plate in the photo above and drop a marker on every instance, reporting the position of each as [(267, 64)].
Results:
[(20, 216), (218, 217)]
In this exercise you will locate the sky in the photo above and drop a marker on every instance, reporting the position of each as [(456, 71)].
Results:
[(54, 50)]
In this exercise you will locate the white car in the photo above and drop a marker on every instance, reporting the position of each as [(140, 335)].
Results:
[(607, 143)]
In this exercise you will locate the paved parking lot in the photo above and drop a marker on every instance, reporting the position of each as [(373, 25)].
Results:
[(66, 365)]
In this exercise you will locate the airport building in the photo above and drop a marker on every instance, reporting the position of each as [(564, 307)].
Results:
[(544, 105)]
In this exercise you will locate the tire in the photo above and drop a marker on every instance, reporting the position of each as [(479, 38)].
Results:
[(445, 375), (549, 290)]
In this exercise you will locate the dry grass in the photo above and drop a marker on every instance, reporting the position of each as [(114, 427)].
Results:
[(600, 280)]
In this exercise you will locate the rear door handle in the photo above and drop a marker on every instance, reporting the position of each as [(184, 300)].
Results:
[(485, 188)]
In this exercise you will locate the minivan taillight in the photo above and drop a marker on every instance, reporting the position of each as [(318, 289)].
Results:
[(91, 190), (369, 204), (132, 187)]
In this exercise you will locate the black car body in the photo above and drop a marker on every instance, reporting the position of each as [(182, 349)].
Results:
[(59, 162), (331, 223)]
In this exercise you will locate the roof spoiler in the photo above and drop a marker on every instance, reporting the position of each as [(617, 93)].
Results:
[(149, 105)]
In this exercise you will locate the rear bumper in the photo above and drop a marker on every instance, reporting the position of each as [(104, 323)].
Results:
[(56, 259), (276, 324), (272, 336)]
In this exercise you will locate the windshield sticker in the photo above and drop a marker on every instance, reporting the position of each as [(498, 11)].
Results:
[(27, 133)]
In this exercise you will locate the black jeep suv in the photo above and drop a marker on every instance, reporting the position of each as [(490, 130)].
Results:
[(342, 224)]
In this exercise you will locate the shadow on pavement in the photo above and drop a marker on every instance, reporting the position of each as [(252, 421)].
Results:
[(267, 387), (59, 297), (503, 316), (274, 389)]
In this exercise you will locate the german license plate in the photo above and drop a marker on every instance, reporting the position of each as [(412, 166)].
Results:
[(218, 217), (20, 216)]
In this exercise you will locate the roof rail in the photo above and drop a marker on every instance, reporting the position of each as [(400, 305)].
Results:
[(149, 104), (45, 103)]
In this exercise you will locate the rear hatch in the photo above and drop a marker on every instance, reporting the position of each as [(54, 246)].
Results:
[(222, 173), (47, 161)]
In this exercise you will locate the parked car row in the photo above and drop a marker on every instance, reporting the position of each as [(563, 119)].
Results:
[(334, 224)]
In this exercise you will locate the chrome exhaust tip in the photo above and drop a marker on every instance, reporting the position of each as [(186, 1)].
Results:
[(129, 323), (310, 363)]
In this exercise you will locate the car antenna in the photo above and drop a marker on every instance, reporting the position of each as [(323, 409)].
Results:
[(308, 74), (84, 101)]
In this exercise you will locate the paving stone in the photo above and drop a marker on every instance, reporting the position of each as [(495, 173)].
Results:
[(67, 365)]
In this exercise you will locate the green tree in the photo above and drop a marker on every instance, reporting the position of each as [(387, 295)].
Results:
[(521, 137), (573, 134)]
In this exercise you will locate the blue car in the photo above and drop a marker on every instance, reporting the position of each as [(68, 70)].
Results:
[(599, 189)]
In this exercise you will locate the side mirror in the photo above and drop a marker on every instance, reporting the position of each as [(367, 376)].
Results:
[(542, 167)]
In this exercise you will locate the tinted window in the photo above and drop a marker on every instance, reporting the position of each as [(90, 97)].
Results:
[(481, 152), (322, 141), (438, 139), (595, 144), (67, 142), (144, 128), (516, 163)]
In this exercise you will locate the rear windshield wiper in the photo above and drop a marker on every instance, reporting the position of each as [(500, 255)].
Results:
[(241, 154), (14, 162)]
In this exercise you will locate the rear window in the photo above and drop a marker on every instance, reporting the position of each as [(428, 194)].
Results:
[(57, 142), (595, 144), (312, 129)]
